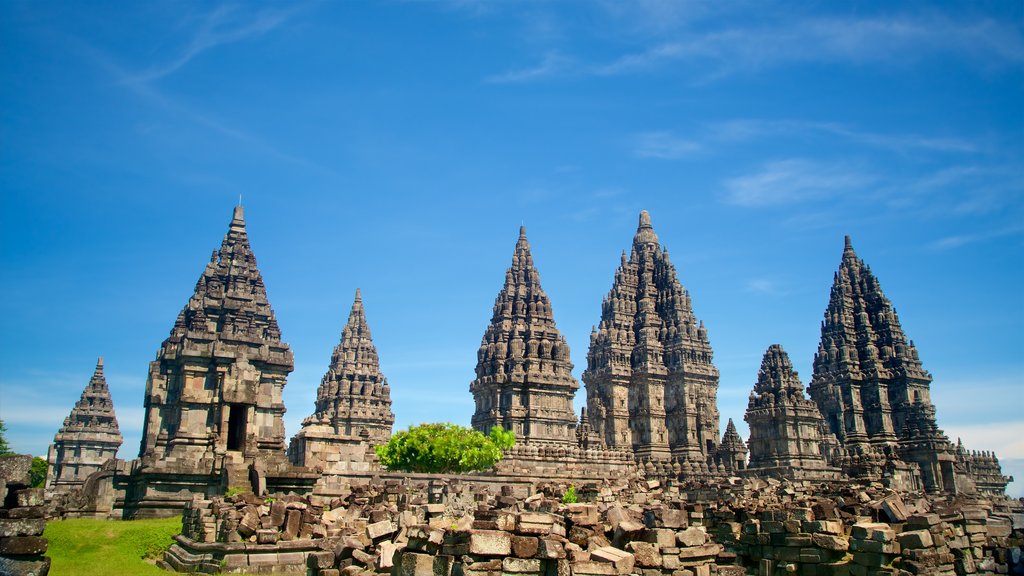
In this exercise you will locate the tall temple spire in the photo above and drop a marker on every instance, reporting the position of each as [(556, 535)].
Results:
[(354, 395), (868, 379), (217, 382), (787, 433), (732, 452), (651, 384), (89, 437), (523, 374)]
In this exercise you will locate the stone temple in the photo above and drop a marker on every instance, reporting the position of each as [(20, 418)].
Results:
[(870, 386), (524, 379), (651, 385), (213, 402), (87, 440), (788, 436), (353, 402)]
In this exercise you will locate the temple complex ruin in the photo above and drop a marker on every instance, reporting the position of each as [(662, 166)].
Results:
[(87, 440), (213, 425), (788, 437), (524, 379), (651, 384), (353, 402)]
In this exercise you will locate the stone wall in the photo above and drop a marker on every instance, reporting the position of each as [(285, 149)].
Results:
[(22, 520)]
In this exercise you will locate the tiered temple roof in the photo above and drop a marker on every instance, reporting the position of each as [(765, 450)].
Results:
[(732, 452), (354, 395), (217, 382), (868, 380), (524, 376), (651, 384), (787, 433), (89, 437)]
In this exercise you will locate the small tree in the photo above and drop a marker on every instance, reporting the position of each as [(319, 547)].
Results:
[(4, 448), (37, 474), (444, 448)]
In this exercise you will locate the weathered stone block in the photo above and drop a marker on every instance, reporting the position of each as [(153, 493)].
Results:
[(490, 542), (705, 551), (645, 553), (692, 536), (30, 497), (380, 529), (878, 532), (266, 536), (22, 546), (550, 549), (520, 565), (830, 542), (672, 518), (622, 560), (525, 546), (583, 514), (18, 567), (320, 559), (14, 469), (21, 527), (915, 539)]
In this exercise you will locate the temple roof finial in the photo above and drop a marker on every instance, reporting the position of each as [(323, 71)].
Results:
[(645, 232), (522, 231)]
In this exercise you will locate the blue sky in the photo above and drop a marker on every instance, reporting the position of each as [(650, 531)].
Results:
[(397, 147)]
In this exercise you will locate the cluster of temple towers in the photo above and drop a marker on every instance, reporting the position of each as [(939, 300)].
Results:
[(213, 401)]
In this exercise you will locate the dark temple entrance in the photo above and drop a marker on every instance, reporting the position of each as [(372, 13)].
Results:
[(236, 426)]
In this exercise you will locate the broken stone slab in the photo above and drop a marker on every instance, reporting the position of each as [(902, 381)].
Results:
[(550, 549), (24, 567), (320, 559), (622, 561), (593, 568), (830, 542), (692, 536), (876, 531), (23, 546), (705, 551), (525, 546), (894, 508), (386, 554), (645, 553), (21, 527)]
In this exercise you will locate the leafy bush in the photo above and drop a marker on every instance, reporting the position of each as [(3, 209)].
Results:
[(444, 448), (37, 473), (570, 495), (233, 491)]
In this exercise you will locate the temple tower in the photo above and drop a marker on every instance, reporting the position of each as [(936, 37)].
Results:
[(785, 426), (868, 380), (214, 391), (524, 377), (732, 452), (353, 402), (651, 384), (89, 437)]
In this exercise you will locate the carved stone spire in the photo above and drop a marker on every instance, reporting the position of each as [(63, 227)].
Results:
[(785, 426), (651, 384), (89, 437), (524, 377), (218, 379), (353, 394), (868, 380), (732, 452)]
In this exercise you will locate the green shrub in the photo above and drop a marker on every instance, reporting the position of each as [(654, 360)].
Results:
[(444, 448), (234, 491), (37, 473), (570, 495)]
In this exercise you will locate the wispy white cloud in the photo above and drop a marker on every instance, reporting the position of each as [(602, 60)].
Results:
[(959, 240), (763, 286), (890, 40), (552, 64), (663, 145), (792, 181), (751, 129), (225, 24)]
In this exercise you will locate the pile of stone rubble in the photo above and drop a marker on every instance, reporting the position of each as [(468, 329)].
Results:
[(735, 527)]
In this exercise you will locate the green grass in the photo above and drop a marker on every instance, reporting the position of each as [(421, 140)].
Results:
[(86, 547)]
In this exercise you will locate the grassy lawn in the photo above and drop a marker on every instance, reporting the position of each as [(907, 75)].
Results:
[(86, 547)]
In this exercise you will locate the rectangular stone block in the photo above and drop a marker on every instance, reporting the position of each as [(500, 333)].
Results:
[(591, 568), (413, 564), (22, 546), (18, 567), (692, 536), (380, 529), (663, 537), (550, 549), (525, 546), (21, 527), (915, 539), (320, 559), (30, 497), (14, 469), (490, 542), (520, 565)]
